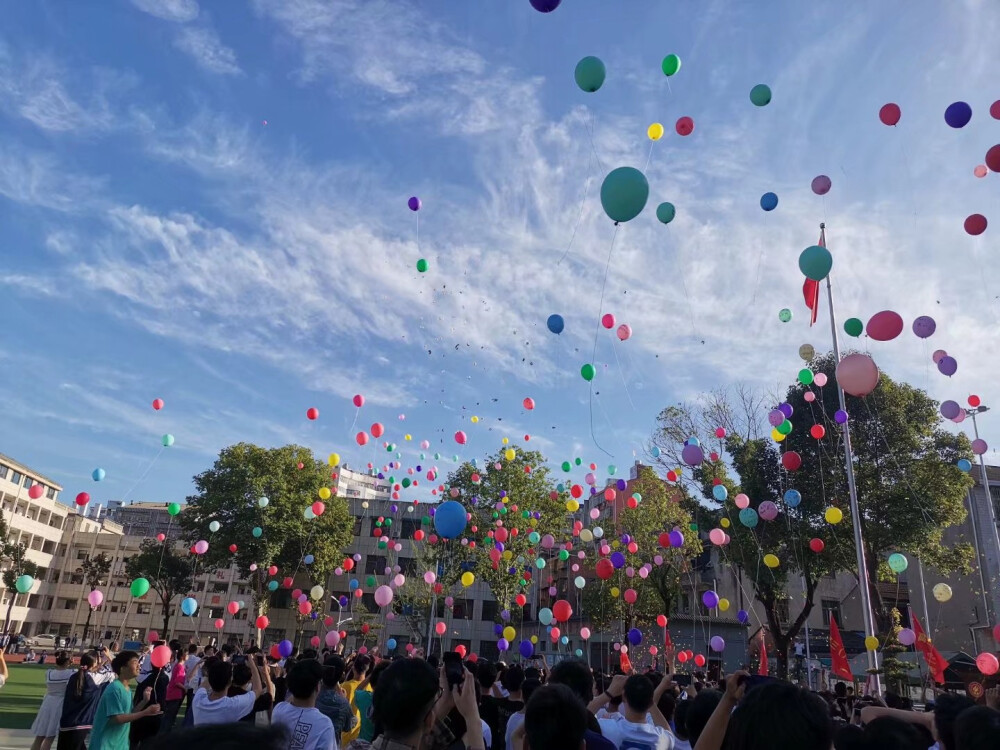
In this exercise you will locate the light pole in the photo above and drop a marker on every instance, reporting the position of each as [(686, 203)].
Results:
[(987, 542)]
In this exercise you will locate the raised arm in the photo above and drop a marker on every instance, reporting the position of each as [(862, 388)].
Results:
[(715, 731)]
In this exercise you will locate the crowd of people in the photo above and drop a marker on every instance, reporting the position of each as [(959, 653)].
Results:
[(228, 697)]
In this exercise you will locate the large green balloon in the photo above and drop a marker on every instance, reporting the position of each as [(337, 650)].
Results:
[(173, 508), (590, 72), (784, 315), (671, 64), (665, 212), (853, 327), (760, 95), (624, 193), (806, 376), (23, 584), (815, 262), (140, 586), (898, 563), (588, 372), (785, 427)]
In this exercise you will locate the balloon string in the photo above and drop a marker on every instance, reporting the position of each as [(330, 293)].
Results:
[(614, 348), (649, 156), (597, 331), (586, 192), (143, 475)]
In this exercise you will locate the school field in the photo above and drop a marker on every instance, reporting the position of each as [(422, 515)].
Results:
[(22, 695)]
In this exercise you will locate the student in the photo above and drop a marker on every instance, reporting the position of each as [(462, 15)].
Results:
[(83, 693), (114, 712), (332, 703), (358, 670), (576, 675), (214, 706), (555, 719), (511, 681), (45, 728), (175, 693), (977, 728), (4, 673), (307, 727), (528, 688), (639, 697)]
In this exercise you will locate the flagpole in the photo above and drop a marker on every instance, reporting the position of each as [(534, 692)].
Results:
[(866, 602)]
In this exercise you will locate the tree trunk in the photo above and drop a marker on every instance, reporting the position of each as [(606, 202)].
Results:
[(10, 608), (781, 644), (86, 625), (165, 633)]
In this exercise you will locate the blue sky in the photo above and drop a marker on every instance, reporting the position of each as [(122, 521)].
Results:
[(158, 239)]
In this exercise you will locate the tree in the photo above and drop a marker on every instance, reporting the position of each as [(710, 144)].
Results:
[(909, 486), (19, 566), (896, 670), (168, 573), (230, 493), (412, 601), (95, 574)]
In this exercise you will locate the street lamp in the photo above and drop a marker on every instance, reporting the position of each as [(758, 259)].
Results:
[(990, 541)]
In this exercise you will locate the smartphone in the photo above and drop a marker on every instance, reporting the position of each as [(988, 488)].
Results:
[(753, 680), (239, 659), (453, 668)]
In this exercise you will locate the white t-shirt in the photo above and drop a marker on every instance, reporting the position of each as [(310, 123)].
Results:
[(2, 680), (515, 721), (487, 734), (222, 711), (308, 728), (192, 682), (628, 735)]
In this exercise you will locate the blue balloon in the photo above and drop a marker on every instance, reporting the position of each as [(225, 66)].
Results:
[(527, 649), (655, 451), (308, 559), (635, 636), (390, 644), (449, 519), (965, 465), (578, 653), (743, 616), (748, 517), (353, 584), (545, 615), (343, 601), (719, 492), (189, 606), (556, 323), (285, 648), (564, 640), (272, 585), (692, 441), (618, 560), (793, 498), (769, 201), (958, 114), (98, 475)]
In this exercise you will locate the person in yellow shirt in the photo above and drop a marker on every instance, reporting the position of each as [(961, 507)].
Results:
[(357, 680)]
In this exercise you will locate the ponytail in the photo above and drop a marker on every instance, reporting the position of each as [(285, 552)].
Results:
[(86, 662)]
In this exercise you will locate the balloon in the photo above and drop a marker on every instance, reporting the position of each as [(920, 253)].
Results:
[(958, 114), (743, 616), (987, 663), (685, 126), (769, 201), (285, 648), (24, 583), (742, 501), (889, 114), (201, 547), (857, 374), (318, 508), (262, 622), (312, 413), (604, 569), (965, 465), (980, 170), (157, 404), (624, 193), (815, 262), (840, 416), (792, 498), (383, 596), (562, 610), (760, 95), (947, 366), (853, 327), (719, 492), (692, 455), (528, 403), (666, 212), (214, 526), (791, 460), (161, 656), (167, 440), (710, 599), (784, 315), (556, 323), (655, 131), (35, 491), (821, 184), (450, 519), (993, 158), (545, 6), (833, 515), (885, 325), (871, 642), (906, 637), (717, 644), (820, 379), (257, 531), (897, 562), (995, 114), (806, 376), (468, 579), (950, 409), (590, 73), (422, 265), (624, 332), (699, 660), (140, 586), (671, 64), (98, 475), (233, 607), (83, 498), (189, 606), (748, 517), (942, 592), (771, 561), (94, 598), (608, 320), (767, 510), (975, 224), (587, 372), (358, 400), (413, 203), (979, 446)]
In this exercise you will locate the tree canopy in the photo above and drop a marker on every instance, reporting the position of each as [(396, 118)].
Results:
[(169, 574)]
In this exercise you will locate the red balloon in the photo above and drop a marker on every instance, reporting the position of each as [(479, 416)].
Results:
[(685, 126), (348, 563), (791, 460), (473, 657), (818, 431), (262, 622), (576, 491), (889, 114), (82, 499), (359, 400), (521, 600), (312, 413), (665, 539), (682, 657), (461, 650), (608, 320), (528, 403), (419, 535), (287, 583), (975, 224), (377, 430), (35, 491), (993, 158), (884, 326), (661, 620), (974, 401), (157, 403), (362, 438), (699, 660), (995, 109), (816, 545), (562, 610), (605, 569), (671, 476), (232, 548), (460, 437)]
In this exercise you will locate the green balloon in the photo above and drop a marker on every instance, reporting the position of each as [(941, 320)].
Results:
[(564, 554), (785, 315), (257, 532), (424, 521), (533, 537), (671, 64), (785, 427), (167, 440), (370, 581), (853, 327), (566, 466), (624, 193), (693, 526), (612, 470), (665, 212), (173, 508), (23, 584), (405, 482), (422, 265), (806, 376), (540, 563), (815, 262), (760, 95), (590, 73), (588, 372), (140, 586), (898, 563), (578, 461)]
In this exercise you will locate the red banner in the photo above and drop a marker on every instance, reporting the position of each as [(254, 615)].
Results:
[(840, 667), (936, 663)]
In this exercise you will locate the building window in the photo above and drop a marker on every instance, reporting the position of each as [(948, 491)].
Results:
[(489, 611), (375, 564), (50, 493), (831, 607), (16, 477), (357, 527), (28, 481), (3, 471), (408, 527), (81, 554)]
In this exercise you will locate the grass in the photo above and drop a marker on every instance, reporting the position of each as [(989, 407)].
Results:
[(22, 696)]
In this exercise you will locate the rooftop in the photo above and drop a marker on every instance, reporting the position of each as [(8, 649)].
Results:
[(19, 467)]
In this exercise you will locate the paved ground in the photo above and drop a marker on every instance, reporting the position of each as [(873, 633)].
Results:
[(15, 739)]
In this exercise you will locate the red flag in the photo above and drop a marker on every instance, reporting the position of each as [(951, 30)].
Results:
[(626, 663), (763, 668), (838, 656), (810, 288), (935, 662)]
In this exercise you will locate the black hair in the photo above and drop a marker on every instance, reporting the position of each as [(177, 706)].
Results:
[(702, 706), (575, 675), (361, 664), (528, 688), (852, 737), (220, 675), (779, 715), (946, 711), (304, 678), (333, 670), (80, 678), (310, 653), (377, 672), (236, 736), (227, 650), (486, 674), (532, 673), (434, 661), (192, 648), (890, 733), (63, 658), (977, 728), (680, 716), (241, 674), (512, 678), (638, 693), (555, 719), (122, 658), (405, 694), (667, 705), (840, 689)]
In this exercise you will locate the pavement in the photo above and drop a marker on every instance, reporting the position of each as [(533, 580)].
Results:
[(15, 739)]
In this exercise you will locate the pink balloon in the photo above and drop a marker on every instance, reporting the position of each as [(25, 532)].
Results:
[(460, 437), (220, 624), (314, 641), (742, 501), (160, 657), (608, 320), (821, 184), (980, 170), (820, 379), (979, 446), (988, 663), (383, 596), (717, 536), (809, 396), (624, 332), (94, 598), (359, 400), (885, 325), (938, 355), (332, 639), (907, 637), (857, 374), (201, 546)]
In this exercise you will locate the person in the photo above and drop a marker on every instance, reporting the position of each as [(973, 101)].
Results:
[(307, 727), (333, 704), (80, 699), (681, 739), (4, 672), (114, 711), (978, 728), (175, 693), (576, 675), (639, 698), (239, 736), (353, 683), (497, 711), (700, 710), (555, 719), (143, 729), (941, 722), (528, 688), (215, 706), (45, 727)]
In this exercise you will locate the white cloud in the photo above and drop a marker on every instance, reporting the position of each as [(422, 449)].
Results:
[(179, 11), (202, 43), (37, 179)]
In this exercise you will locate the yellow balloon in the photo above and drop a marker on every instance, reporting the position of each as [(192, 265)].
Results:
[(942, 592), (324, 493), (534, 639), (364, 504), (505, 441), (572, 505), (834, 515), (771, 561), (615, 591), (474, 420), (871, 642), (615, 544), (468, 579), (655, 131), (678, 471), (586, 535), (509, 454), (724, 523), (334, 459), (407, 437), (776, 436), (723, 605), (507, 554), (509, 633)]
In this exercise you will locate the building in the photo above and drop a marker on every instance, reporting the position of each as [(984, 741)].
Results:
[(143, 519)]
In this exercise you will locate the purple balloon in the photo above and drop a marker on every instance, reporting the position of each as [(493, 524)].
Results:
[(821, 185), (545, 6), (692, 455), (676, 538), (497, 629), (743, 616), (635, 636), (787, 410), (526, 648), (502, 644), (626, 539), (947, 366), (285, 648), (950, 409), (621, 485), (979, 446), (414, 203), (924, 326), (710, 599), (618, 560), (505, 614), (775, 417), (840, 416), (717, 643), (767, 510)]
